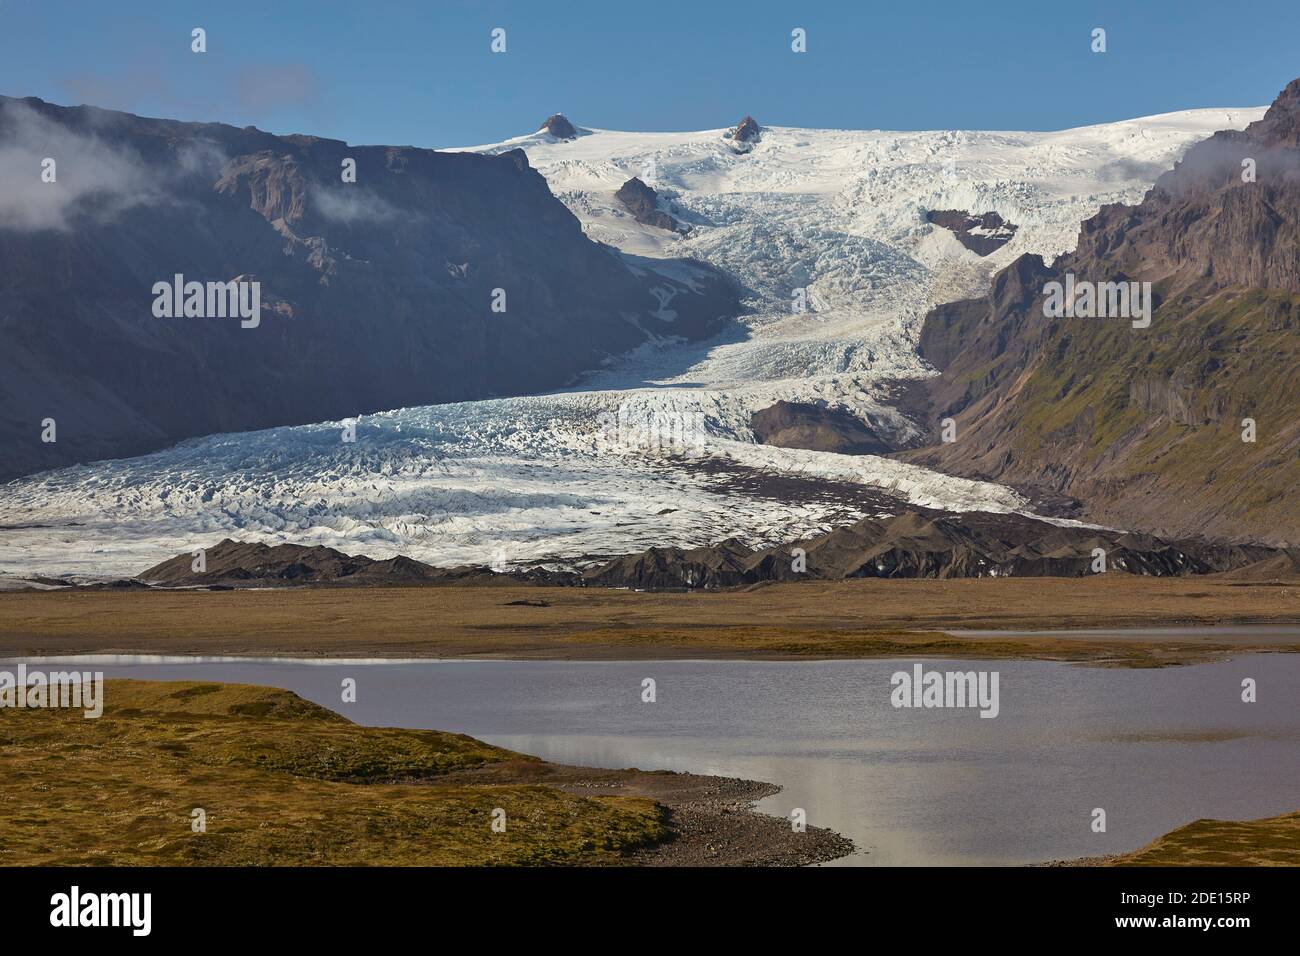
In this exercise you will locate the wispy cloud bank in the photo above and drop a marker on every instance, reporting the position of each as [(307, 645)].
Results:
[(92, 177), (349, 205)]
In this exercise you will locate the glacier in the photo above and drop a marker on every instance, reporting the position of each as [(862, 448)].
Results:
[(838, 214)]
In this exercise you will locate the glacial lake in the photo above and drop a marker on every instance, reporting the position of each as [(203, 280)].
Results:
[(1155, 748)]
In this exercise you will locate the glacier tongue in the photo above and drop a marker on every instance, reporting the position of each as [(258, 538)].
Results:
[(517, 481), (838, 214)]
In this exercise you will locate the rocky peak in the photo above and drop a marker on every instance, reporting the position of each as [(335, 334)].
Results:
[(559, 126), (748, 131), (1281, 124), (1206, 218)]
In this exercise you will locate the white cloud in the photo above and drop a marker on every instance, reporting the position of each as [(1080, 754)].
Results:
[(93, 177), (349, 204)]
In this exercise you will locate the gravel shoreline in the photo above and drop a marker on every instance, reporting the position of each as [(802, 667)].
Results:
[(712, 819)]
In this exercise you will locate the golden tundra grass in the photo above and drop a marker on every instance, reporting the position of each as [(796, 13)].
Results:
[(861, 618), (1274, 841), (283, 782)]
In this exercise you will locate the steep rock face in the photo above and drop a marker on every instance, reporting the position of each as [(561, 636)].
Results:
[(1146, 426), (643, 203), (375, 294), (1202, 221), (799, 425)]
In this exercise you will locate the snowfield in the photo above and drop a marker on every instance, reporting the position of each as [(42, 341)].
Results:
[(841, 214), (826, 232)]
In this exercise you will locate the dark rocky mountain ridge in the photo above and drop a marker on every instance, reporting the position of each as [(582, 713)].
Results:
[(246, 564), (921, 543), (375, 294), (917, 543)]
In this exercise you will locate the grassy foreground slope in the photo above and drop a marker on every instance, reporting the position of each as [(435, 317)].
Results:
[(1274, 841), (283, 782)]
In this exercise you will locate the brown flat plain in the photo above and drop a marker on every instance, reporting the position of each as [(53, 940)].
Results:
[(861, 618)]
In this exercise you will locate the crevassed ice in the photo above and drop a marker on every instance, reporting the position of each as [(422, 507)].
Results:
[(555, 478)]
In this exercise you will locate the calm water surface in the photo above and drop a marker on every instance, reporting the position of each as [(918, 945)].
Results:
[(1154, 748)]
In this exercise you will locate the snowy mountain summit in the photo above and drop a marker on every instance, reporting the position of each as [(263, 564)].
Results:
[(829, 232)]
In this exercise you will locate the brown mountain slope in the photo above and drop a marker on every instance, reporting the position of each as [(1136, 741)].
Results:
[(1145, 425)]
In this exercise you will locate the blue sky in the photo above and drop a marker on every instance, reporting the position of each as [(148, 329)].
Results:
[(411, 73)]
